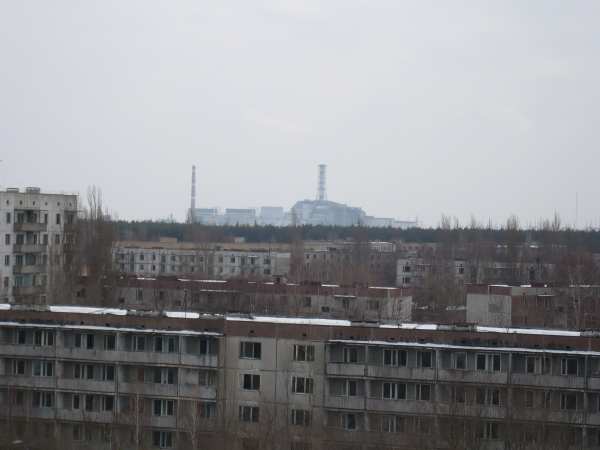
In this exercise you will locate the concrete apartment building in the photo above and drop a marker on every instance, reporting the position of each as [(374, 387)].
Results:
[(112, 378), (386, 304), (222, 261), (575, 307), (36, 229)]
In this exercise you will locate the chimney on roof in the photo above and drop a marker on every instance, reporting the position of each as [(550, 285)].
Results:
[(321, 188)]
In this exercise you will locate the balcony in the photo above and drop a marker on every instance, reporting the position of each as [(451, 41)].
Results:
[(30, 248), (86, 416), (471, 410), (75, 384), (28, 381), (548, 415), (28, 351), (94, 355), (341, 402), (19, 291), (472, 376), (198, 391), (35, 268), (345, 369), (33, 227), (189, 359), (151, 389), (407, 373), (401, 406), (546, 381)]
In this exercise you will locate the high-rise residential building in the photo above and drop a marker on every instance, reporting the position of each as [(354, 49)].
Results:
[(36, 229)]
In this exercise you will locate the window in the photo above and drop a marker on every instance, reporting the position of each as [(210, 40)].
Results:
[(394, 391), (164, 375), (110, 342), (568, 366), (458, 394), (8, 217), (530, 364), (7, 239), (373, 305), (568, 401), (206, 377), (528, 399), (207, 409), (304, 352), (460, 361), (423, 392), (302, 385), (42, 368), (162, 439), (250, 350), (547, 399), (108, 373), (43, 338), (139, 343), (75, 403), (21, 337), (251, 382), (45, 239), (351, 388), (57, 219), (300, 417), (165, 344), (488, 362), (163, 407), (18, 367), (205, 347), (488, 397), (42, 399), (349, 421), (57, 239), (249, 413), (394, 357), (392, 424), (84, 341), (489, 430), (108, 403), (351, 355), (7, 260), (424, 359), (89, 402)]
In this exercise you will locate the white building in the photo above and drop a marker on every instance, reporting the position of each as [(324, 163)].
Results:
[(36, 230)]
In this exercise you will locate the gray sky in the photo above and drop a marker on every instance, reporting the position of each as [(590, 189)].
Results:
[(418, 108)]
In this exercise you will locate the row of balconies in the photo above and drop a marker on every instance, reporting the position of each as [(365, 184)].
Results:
[(113, 356), (154, 389), (462, 376)]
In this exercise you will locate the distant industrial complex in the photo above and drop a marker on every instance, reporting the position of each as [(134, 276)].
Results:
[(304, 212)]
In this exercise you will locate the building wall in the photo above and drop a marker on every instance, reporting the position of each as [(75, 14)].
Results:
[(544, 384), (35, 229)]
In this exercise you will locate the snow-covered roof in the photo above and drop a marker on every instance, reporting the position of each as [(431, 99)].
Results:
[(71, 309)]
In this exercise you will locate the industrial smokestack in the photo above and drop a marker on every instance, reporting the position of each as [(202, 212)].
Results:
[(321, 188), (193, 200)]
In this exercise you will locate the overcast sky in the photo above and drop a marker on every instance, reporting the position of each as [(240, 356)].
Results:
[(418, 107)]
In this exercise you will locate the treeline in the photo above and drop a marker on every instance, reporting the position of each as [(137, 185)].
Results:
[(509, 234)]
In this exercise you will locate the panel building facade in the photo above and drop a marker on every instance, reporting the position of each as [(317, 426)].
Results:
[(93, 378)]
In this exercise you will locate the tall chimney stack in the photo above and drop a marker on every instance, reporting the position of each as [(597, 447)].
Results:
[(321, 189), (193, 200)]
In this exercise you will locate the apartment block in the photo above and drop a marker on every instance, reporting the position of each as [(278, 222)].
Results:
[(187, 259), (37, 231), (116, 378)]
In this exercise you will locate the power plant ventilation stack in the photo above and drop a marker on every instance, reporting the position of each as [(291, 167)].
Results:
[(321, 188), (193, 200)]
